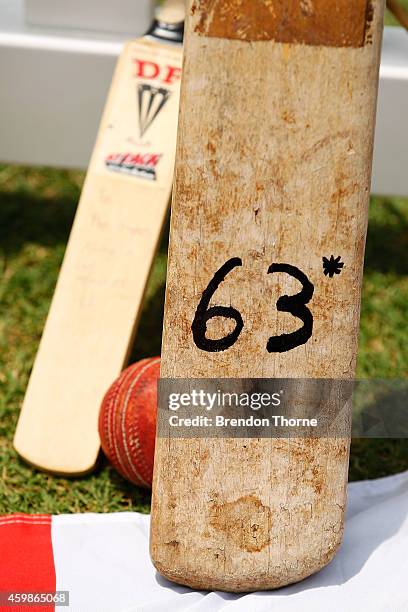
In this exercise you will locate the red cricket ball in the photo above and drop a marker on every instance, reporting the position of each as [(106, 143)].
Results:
[(127, 421)]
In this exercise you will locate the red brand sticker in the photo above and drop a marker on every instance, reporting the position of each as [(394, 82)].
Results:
[(136, 164)]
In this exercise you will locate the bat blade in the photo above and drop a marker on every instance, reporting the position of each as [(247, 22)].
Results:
[(97, 301), (267, 238)]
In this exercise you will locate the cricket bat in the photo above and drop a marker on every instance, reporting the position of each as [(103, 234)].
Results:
[(99, 293), (268, 229)]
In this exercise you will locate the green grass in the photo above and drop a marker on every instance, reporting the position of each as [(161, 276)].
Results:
[(36, 212)]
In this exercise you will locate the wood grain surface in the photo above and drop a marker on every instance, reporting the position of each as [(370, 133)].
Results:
[(273, 166), (333, 23)]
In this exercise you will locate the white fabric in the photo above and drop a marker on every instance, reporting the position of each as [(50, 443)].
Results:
[(103, 560)]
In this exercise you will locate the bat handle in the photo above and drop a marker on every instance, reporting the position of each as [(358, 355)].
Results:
[(399, 12), (169, 25)]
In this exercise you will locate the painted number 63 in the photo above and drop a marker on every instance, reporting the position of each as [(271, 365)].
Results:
[(293, 304)]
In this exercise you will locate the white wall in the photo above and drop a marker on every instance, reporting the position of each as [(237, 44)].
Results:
[(53, 84), (121, 16)]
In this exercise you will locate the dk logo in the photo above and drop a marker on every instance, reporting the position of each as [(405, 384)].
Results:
[(151, 101), (153, 98)]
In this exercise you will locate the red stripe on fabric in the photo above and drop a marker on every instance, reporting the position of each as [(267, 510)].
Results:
[(26, 557)]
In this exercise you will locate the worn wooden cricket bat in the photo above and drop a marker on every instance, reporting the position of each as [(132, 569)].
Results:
[(268, 231), (100, 289)]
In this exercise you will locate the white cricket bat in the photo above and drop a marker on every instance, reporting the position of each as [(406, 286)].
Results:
[(99, 294), (268, 228)]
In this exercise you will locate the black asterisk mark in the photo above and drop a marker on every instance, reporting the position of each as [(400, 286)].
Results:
[(332, 266)]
